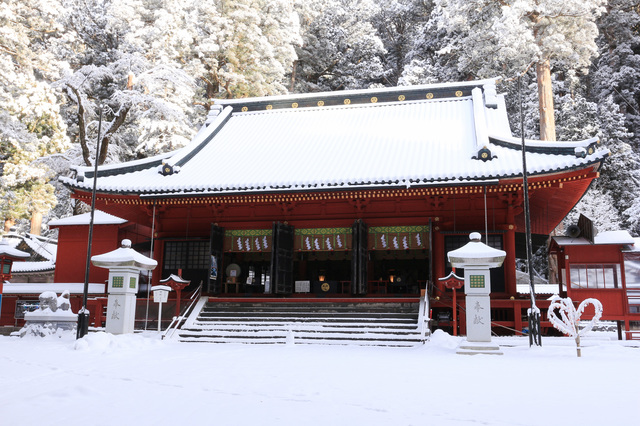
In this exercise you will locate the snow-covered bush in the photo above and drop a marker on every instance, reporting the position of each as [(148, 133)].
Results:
[(569, 320)]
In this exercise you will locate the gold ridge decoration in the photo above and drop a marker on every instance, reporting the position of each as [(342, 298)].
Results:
[(294, 105), (429, 95), (458, 93), (245, 109), (347, 101), (320, 103), (401, 98), (374, 100), (269, 107)]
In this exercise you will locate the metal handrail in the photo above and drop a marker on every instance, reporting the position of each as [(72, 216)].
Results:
[(423, 316), (177, 321)]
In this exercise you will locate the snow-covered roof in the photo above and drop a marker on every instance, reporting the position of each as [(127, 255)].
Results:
[(176, 278), (25, 267), (37, 288), (7, 250), (606, 237), (540, 288), (38, 247), (395, 137), (100, 218), (44, 247), (634, 247), (614, 237)]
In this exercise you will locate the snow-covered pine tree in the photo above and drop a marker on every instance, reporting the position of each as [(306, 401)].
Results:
[(30, 123), (341, 48), (233, 48), (581, 119), (510, 36), (142, 107), (147, 103), (616, 74), (614, 83), (399, 24), (423, 62)]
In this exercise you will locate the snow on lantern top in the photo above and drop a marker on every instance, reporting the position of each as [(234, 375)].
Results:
[(124, 256), (476, 253)]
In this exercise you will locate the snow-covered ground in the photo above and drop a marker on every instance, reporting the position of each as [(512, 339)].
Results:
[(142, 380)]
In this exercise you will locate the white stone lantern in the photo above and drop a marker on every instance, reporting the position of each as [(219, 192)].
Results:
[(124, 266), (477, 258)]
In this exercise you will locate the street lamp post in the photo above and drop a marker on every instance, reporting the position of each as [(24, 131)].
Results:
[(534, 312), (83, 314)]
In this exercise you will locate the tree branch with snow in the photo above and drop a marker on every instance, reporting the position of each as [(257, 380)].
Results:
[(568, 321)]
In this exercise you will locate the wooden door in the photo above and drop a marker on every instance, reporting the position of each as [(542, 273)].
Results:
[(282, 259), (360, 236)]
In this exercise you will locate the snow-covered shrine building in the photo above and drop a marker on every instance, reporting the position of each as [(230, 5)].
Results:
[(604, 266), (349, 196)]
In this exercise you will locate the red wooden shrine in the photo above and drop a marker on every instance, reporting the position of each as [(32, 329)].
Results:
[(352, 194)]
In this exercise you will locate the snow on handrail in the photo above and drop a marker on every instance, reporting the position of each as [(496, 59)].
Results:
[(423, 316), (175, 323)]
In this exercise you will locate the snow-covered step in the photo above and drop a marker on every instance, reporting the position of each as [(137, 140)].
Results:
[(319, 326), (343, 331), (302, 337), (379, 324), (289, 319)]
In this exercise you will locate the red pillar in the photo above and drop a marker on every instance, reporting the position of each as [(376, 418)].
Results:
[(517, 315), (510, 261), (438, 258)]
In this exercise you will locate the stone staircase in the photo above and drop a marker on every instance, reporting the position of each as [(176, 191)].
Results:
[(329, 323)]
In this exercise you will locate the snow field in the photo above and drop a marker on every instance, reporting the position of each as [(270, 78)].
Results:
[(140, 379)]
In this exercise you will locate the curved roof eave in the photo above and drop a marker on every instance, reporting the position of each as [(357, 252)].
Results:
[(546, 147), (175, 157), (460, 181)]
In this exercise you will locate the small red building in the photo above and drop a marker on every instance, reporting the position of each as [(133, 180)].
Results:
[(605, 267), (349, 194)]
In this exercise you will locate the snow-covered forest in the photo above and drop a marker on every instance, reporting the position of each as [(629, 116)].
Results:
[(155, 67)]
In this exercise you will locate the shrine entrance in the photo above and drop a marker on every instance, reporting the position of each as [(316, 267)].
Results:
[(398, 259), (399, 271), (318, 262)]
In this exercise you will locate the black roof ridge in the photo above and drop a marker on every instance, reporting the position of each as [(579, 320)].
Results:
[(548, 147), (354, 97)]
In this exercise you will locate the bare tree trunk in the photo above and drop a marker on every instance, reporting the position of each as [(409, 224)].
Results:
[(82, 136), (545, 96), (8, 223), (36, 222), (117, 121), (292, 84)]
